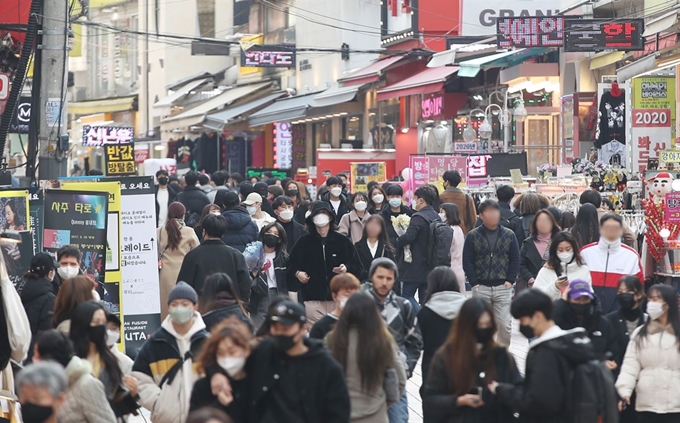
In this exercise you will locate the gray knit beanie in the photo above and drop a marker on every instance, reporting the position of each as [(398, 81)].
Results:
[(385, 263), (183, 291)]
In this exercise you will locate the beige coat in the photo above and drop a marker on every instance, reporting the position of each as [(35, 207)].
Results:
[(352, 226), (172, 260), (86, 400), (652, 370)]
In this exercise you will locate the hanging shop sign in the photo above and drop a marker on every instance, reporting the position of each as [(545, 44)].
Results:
[(21, 116), (363, 173), (669, 156), (541, 31), (141, 154), (496, 164), (479, 17), (100, 136), (299, 139), (432, 107), (672, 207), (465, 147), (4, 86), (282, 138), (268, 56), (651, 134), (430, 169), (120, 160), (151, 166)]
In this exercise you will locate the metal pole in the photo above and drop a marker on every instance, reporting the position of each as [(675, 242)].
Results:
[(52, 102)]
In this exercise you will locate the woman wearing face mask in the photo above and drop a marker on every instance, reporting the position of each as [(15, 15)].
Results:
[(175, 240), (72, 293), (535, 248), (564, 264), (374, 243), (209, 209), (270, 281), (580, 308), (651, 366), (364, 347), (631, 315), (456, 386), (316, 258), (219, 300), (352, 223), (376, 200), (88, 335), (37, 296), (448, 213), (226, 352), (112, 337)]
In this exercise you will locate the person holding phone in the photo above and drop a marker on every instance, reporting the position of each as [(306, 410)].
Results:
[(455, 389), (564, 264)]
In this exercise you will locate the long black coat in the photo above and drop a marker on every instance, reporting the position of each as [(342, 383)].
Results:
[(38, 300), (294, 232), (366, 257), (310, 255), (599, 330), (194, 199), (213, 256), (530, 261), (387, 214), (417, 236)]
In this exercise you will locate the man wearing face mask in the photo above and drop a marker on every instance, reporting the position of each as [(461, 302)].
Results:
[(292, 378), (396, 207), (165, 195), (254, 207), (579, 308), (42, 390), (68, 259), (164, 366), (553, 353), (609, 260), (316, 258), (337, 200), (284, 211), (342, 287)]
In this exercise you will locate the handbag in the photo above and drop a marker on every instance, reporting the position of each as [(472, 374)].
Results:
[(123, 403), (391, 386), (260, 287)]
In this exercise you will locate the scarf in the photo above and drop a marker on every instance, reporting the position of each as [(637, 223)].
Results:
[(542, 242)]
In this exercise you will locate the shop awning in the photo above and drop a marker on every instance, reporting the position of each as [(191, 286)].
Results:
[(217, 121), (180, 92), (370, 73), (602, 60), (104, 105), (428, 81), (636, 68), (196, 115), (335, 95), (470, 68), (459, 52), (662, 23), (283, 110)]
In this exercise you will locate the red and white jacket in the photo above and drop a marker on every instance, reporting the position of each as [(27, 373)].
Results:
[(608, 264)]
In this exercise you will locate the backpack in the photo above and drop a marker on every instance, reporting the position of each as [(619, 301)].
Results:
[(192, 219), (591, 395), (440, 238)]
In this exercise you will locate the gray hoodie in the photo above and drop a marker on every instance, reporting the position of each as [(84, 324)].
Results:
[(446, 304)]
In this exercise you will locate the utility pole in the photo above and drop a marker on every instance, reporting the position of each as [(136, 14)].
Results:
[(52, 147)]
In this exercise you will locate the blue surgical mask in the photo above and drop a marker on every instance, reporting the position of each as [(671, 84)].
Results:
[(395, 202)]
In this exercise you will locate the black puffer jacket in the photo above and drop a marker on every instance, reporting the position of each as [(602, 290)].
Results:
[(597, 326), (241, 230), (38, 299), (194, 199), (225, 310)]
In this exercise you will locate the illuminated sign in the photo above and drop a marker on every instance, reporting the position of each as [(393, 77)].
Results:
[(268, 57), (603, 34), (100, 136), (432, 107), (479, 17), (542, 31)]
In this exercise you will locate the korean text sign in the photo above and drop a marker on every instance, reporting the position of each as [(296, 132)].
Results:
[(651, 134), (672, 207), (120, 160)]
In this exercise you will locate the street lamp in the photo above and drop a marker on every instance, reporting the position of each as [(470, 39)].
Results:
[(485, 128), (520, 112), (469, 133)]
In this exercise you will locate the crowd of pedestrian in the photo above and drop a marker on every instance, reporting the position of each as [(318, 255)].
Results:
[(331, 322)]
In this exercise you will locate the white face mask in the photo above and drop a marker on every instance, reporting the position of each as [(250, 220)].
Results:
[(232, 365), (335, 192), (655, 310), (321, 220), (286, 215), (112, 337), (343, 303), (360, 206), (251, 210), (566, 257), (67, 272), (442, 216), (378, 198), (216, 213), (395, 202), (307, 214)]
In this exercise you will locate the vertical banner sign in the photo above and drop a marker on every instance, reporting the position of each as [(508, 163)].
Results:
[(363, 173), (440, 164), (299, 147), (15, 217), (651, 134), (656, 92), (78, 218), (672, 207), (36, 204), (420, 172), (141, 286), (110, 291)]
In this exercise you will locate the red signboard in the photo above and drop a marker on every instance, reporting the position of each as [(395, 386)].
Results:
[(4, 86), (141, 155)]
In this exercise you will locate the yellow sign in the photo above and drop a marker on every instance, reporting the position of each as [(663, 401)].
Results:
[(363, 173), (669, 156), (246, 43)]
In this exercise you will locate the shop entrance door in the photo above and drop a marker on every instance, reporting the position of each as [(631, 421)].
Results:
[(540, 139)]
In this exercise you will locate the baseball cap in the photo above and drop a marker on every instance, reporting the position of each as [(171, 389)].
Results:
[(580, 288), (42, 262), (287, 312), (253, 198)]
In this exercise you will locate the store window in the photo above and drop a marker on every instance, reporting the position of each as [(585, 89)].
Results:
[(352, 128), (322, 133), (383, 122)]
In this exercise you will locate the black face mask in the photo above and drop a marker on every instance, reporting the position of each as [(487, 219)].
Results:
[(33, 413), (583, 310), (163, 180), (483, 335), (97, 334), (527, 331), (271, 240), (292, 193), (284, 343), (626, 300)]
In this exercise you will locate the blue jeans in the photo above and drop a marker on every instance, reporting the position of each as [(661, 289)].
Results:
[(398, 413), (408, 291)]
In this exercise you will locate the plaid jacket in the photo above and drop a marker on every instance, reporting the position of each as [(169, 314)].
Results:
[(483, 265)]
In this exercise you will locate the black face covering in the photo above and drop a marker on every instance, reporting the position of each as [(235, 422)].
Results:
[(271, 240), (33, 413), (97, 334), (527, 331), (163, 180), (483, 335), (292, 193), (582, 310), (626, 300), (284, 343)]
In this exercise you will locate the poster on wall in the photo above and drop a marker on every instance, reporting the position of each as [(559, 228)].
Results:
[(650, 134), (656, 92), (15, 217), (78, 218), (363, 173), (152, 166)]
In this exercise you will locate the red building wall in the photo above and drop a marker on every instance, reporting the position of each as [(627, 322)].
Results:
[(12, 12)]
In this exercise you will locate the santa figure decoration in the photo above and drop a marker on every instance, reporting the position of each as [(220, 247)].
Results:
[(658, 187)]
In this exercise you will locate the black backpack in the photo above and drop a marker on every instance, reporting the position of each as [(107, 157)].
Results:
[(192, 219), (591, 395), (440, 238)]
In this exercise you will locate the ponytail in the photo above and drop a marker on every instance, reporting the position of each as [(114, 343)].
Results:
[(173, 229)]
